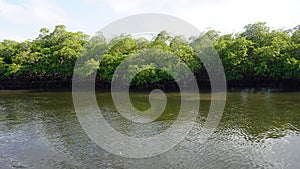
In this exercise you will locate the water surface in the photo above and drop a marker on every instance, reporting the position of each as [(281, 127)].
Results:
[(257, 130)]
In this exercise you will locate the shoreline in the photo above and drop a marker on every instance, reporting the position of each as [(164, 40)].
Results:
[(203, 85)]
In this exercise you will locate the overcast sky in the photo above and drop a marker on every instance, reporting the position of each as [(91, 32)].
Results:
[(22, 19)]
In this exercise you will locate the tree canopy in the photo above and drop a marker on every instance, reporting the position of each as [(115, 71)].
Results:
[(258, 52)]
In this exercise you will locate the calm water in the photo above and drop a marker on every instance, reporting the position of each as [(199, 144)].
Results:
[(257, 130)]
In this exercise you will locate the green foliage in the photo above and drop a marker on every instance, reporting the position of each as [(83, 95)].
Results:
[(153, 66), (182, 49), (88, 67), (234, 54), (256, 53), (2, 67), (257, 33)]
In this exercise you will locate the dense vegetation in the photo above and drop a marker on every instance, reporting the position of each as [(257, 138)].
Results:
[(254, 54)]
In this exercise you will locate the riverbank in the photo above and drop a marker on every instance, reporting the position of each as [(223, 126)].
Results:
[(203, 84)]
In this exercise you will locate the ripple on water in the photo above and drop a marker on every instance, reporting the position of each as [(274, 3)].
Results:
[(257, 130)]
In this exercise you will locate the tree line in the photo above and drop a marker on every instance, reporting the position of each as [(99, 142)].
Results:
[(258, 52)]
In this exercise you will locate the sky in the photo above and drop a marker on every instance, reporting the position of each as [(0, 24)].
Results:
[(22, 19)]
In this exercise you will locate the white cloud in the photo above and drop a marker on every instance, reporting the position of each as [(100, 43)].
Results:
[(126, 5), (123, 6), (223, 15), (32, 12), (23, 18), (11, 36)]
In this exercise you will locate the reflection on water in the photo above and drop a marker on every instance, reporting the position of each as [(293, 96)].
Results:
[(257, 130)]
